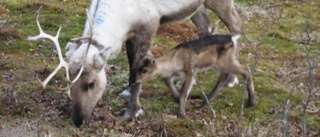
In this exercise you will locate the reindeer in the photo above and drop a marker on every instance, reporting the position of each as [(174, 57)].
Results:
[(133, 23), (217, 52)]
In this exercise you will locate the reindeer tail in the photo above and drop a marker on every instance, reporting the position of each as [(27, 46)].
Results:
[(235, 39)]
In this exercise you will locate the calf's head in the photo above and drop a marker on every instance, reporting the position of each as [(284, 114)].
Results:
[(147, 69)]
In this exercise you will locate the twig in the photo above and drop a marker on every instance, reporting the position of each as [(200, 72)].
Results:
[(208, 102), (285, 118), (165, 130), (241, 112), (255, 52), (38, 128), (310, 80)]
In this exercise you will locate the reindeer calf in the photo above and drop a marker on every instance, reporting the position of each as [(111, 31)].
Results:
[(211, 52)]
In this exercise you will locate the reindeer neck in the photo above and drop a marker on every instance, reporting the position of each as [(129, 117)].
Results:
[(109, 29)]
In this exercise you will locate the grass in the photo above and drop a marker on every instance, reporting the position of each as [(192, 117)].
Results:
[(281, 66)]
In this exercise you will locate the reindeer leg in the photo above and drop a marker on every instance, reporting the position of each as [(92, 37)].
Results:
[(226, 11), (202, 22), (216, 89), (137, 48), (134, 53), (126, 93), (134, 107)]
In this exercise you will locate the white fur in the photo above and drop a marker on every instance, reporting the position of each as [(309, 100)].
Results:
[(166, 7), (71, 47), (235, 39), (111, 26), (103, 80), (78, 56), (235, 82), (191, 85), (140, 112), (125, 93)]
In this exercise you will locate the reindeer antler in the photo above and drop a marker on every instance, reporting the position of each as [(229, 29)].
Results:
[(54, 39), (62, 62), (87, 50)]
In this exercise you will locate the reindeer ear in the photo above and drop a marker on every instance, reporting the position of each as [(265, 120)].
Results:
[(71, 47), (98, 61), (101, 58)]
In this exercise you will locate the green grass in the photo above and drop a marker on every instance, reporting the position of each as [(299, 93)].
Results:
[(277, 40)]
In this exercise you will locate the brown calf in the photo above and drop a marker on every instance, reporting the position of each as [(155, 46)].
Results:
[(217, 52)]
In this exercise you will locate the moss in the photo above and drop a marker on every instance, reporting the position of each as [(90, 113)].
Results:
[(185, 128)]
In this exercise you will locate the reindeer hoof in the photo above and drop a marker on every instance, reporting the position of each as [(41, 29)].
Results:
[(250, 105), (232, 82), (126, 93), (181, 116), (176, 98), (130, 115)]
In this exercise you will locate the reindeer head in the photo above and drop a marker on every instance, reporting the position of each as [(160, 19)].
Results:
[(88, 89), (147, 69), (86, 67)]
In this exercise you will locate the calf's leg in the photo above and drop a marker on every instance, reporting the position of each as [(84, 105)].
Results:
[(225, 10), (172, 88), (184, 93), (244, 71), (216, 89)]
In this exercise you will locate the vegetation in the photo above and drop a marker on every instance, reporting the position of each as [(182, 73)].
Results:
[(280, 36)]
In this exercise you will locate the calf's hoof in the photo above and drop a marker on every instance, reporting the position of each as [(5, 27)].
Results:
[(203, 103), (181, 115), (176, 98)]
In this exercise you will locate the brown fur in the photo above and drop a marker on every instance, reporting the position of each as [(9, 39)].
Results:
[(186, 60)]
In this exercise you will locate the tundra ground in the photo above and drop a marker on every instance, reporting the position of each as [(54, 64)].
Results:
[(277, 35)]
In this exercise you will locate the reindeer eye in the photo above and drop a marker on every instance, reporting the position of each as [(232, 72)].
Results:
[(91, 85)]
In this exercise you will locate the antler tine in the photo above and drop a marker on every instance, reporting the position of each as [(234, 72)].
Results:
[(67, 89), (54, 39), (80, 38), (85, 57)]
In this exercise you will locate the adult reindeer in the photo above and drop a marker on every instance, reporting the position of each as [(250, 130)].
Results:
[(133, 22)]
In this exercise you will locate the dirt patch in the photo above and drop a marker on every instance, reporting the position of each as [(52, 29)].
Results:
[(179, 32)]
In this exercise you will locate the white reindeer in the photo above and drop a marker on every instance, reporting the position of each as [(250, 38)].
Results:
[(133, 23)]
